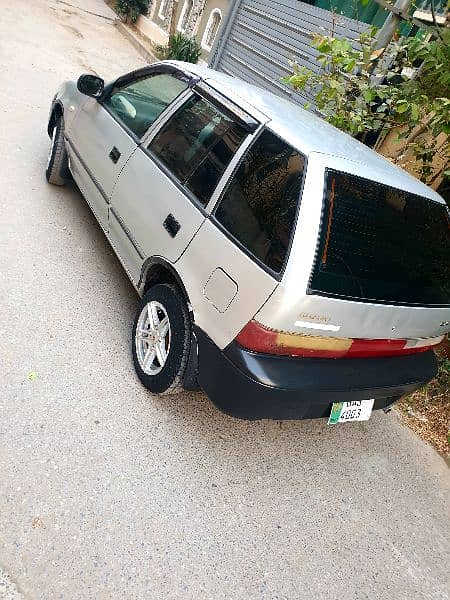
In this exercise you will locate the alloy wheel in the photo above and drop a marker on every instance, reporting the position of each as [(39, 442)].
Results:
[(152, 337)]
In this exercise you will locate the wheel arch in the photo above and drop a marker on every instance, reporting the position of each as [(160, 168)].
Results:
[(57, 111), (157, 269)]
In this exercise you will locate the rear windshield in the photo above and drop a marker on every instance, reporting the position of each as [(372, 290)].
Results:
[(383, 244)]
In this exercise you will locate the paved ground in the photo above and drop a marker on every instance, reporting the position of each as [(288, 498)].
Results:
[(108, 492)]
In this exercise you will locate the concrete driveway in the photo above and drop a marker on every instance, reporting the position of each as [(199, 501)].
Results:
[(108, 492)]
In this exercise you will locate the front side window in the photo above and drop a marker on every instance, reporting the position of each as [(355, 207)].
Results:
[(139, 103), (381, 243), (197, 144), (260, 205)]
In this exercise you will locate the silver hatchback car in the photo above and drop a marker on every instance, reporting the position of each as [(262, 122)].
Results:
[(284, 268)]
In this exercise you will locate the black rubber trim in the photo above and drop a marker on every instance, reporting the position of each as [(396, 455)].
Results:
[(51, 121), (126, 231), (159, 261), (88, 171), (155, 69), (190, 381), (158, 69), (259, 386), (227, 106)]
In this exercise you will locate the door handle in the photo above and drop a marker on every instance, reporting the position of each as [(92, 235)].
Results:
[(114, 155), (171, 225)]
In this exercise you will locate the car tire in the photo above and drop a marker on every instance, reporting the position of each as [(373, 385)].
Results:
[(160, 357), (57, 171)]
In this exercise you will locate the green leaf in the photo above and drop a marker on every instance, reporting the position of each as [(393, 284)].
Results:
[(350, 65), (32, 375), (368, 95), (402, 106), (415, 112)]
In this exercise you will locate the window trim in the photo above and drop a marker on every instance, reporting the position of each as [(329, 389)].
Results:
[(209, 24), (230, 170), (227, 106), (156, 69), (167, 114), (153, 132), (275, 274), (136, 76)]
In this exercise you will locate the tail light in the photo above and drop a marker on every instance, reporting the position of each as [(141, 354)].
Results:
[(259, 338)]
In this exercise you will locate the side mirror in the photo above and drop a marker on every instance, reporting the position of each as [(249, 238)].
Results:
[(90, 85)]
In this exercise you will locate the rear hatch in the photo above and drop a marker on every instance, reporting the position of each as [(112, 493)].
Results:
[(381, 244), (369, 267)]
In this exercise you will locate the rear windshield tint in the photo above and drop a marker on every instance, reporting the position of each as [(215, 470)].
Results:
[(383, 244)]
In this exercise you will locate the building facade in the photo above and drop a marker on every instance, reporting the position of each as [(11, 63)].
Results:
[(199, 18)]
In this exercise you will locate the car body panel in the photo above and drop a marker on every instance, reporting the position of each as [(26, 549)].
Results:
[(92, 137), (143, 199), (250, 385), (208, 251), (70, 100), (291, 303)]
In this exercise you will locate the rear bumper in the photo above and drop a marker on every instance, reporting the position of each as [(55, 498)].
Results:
[(249, 385)]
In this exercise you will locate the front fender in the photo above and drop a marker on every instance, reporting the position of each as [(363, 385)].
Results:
[(68, 101)]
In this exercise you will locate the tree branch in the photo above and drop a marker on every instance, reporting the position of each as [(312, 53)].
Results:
[(433, 15)]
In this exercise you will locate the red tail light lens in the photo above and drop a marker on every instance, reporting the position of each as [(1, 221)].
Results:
[(259, 338)]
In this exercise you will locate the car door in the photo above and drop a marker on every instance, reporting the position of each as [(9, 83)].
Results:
[(105, 132), (236, 260), (159, 201)]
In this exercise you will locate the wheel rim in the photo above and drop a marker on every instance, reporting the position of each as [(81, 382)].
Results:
[(152, 338), (50, 152)]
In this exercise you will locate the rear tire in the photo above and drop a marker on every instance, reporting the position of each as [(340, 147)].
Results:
[(57, 171), (161, 342)]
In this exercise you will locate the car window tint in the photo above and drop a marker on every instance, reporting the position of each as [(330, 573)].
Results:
[(197, 144), (380, 243), (260, 204), (140, 103)]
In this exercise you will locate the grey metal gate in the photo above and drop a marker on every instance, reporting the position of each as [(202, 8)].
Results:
[(261, 36)]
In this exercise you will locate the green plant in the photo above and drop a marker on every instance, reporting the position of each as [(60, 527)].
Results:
[(349, 93), (180, 47), (130, 10)]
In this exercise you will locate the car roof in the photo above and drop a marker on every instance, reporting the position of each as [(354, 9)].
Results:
[(305, 131)]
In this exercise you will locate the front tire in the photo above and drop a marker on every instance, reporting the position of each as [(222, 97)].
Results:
[(161, 339), (57, 171)]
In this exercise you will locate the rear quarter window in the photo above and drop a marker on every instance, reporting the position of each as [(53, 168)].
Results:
[(259, 205)]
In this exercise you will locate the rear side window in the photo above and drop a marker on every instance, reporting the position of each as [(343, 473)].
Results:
[(197, 144), (380, 243), (259, 206)]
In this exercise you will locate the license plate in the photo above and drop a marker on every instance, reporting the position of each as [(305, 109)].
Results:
[(344, 412)]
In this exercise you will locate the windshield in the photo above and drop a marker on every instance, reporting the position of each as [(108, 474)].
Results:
[(382, 244)]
